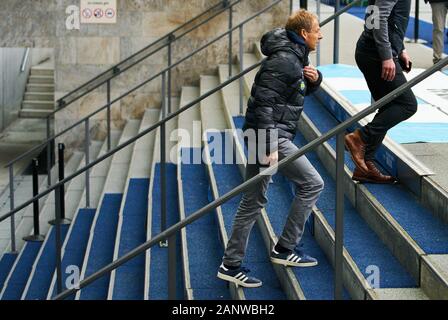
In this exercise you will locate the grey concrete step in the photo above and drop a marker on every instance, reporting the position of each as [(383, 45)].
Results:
[(38, 104), (400, 294), (34, 113), (212, 118), (434, 276), (187, 138), (47, 210), (115, 181), (48, 88), (98, 176), (170, 126), (171, 144), (42, 72), (22, 193), (39, 96), (40, 79), (190, 120), (35, 137), (140, 167)]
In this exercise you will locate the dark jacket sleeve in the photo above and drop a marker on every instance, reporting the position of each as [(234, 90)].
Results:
[(381, 35), (273, 82), (313, 86)]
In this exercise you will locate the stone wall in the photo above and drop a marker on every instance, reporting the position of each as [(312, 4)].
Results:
[(82, 54)]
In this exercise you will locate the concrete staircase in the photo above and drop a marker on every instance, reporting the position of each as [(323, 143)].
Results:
[(395, 245), (38, 100)]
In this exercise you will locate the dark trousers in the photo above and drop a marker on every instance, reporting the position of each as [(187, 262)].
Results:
[(391, 114)]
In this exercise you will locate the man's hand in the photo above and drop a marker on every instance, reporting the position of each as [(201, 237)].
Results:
[(388, 72), (311, 73), (271, 159), (404, 56)]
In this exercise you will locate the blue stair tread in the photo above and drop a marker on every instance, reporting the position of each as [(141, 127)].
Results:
[(316, 282), (359, 239), (158, 288), (210, 294), (393, 274), (76, 244), (6, 263), (427, 230), (102, 248), (21, 272), (257, 259), (130, 277), (129, 281), (204, 247), (40, 283)]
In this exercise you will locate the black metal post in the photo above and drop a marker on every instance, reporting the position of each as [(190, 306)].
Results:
[(11, 206), (87, 159), (58, 206), (169, 73), (339, 230), (304, 4), (108, 117), (291, 6), (172, 283), (163, 163), (61, 166), (336, 34), (240, 80), (48, 153), (416, 21), (36, 236), (230, 40)]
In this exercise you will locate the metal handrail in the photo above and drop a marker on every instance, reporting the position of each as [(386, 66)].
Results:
[(161, 123), (24, 60), (339, 129), (226, 33), (223, 3)]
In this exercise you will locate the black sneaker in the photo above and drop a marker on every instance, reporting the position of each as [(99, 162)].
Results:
[(296, 258), (238, 276)]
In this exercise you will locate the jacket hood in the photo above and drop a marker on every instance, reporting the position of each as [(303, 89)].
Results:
[(278, 40)]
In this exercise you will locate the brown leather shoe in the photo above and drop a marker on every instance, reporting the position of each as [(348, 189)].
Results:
[(357, 148), (373, 176)]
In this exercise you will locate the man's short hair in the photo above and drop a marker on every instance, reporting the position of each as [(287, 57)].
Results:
[(300, 19)]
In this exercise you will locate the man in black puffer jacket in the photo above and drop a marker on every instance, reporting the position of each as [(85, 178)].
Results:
[(275, 105)]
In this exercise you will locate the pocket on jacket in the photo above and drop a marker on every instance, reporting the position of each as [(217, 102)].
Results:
[(278, 112), (292, 113)]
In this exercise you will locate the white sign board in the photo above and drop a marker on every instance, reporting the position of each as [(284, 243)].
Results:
[(98, 11)]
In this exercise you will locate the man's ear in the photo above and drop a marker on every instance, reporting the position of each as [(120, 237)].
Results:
[(303, 34)]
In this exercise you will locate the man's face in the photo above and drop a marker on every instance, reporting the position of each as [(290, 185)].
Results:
[(312, 38)]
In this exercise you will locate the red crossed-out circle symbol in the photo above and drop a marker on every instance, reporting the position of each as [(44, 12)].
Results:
[(98, 13)]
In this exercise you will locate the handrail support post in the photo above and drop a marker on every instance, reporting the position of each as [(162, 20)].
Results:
[(339, 230), (11, 206)]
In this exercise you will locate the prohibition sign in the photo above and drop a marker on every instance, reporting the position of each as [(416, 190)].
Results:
[(98, 13), (110, 13), (87, 13)]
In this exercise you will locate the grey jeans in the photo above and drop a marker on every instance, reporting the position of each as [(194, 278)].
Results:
[(439, 11), (308, 186)]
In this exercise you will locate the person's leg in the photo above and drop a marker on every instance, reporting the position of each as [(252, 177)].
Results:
[(308, 186), (252, 201), (391, 114), (439, 10)]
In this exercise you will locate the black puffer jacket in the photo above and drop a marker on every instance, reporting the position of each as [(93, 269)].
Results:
[(278, 92)]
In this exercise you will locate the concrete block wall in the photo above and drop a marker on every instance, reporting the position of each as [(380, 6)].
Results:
[(84, 53)]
